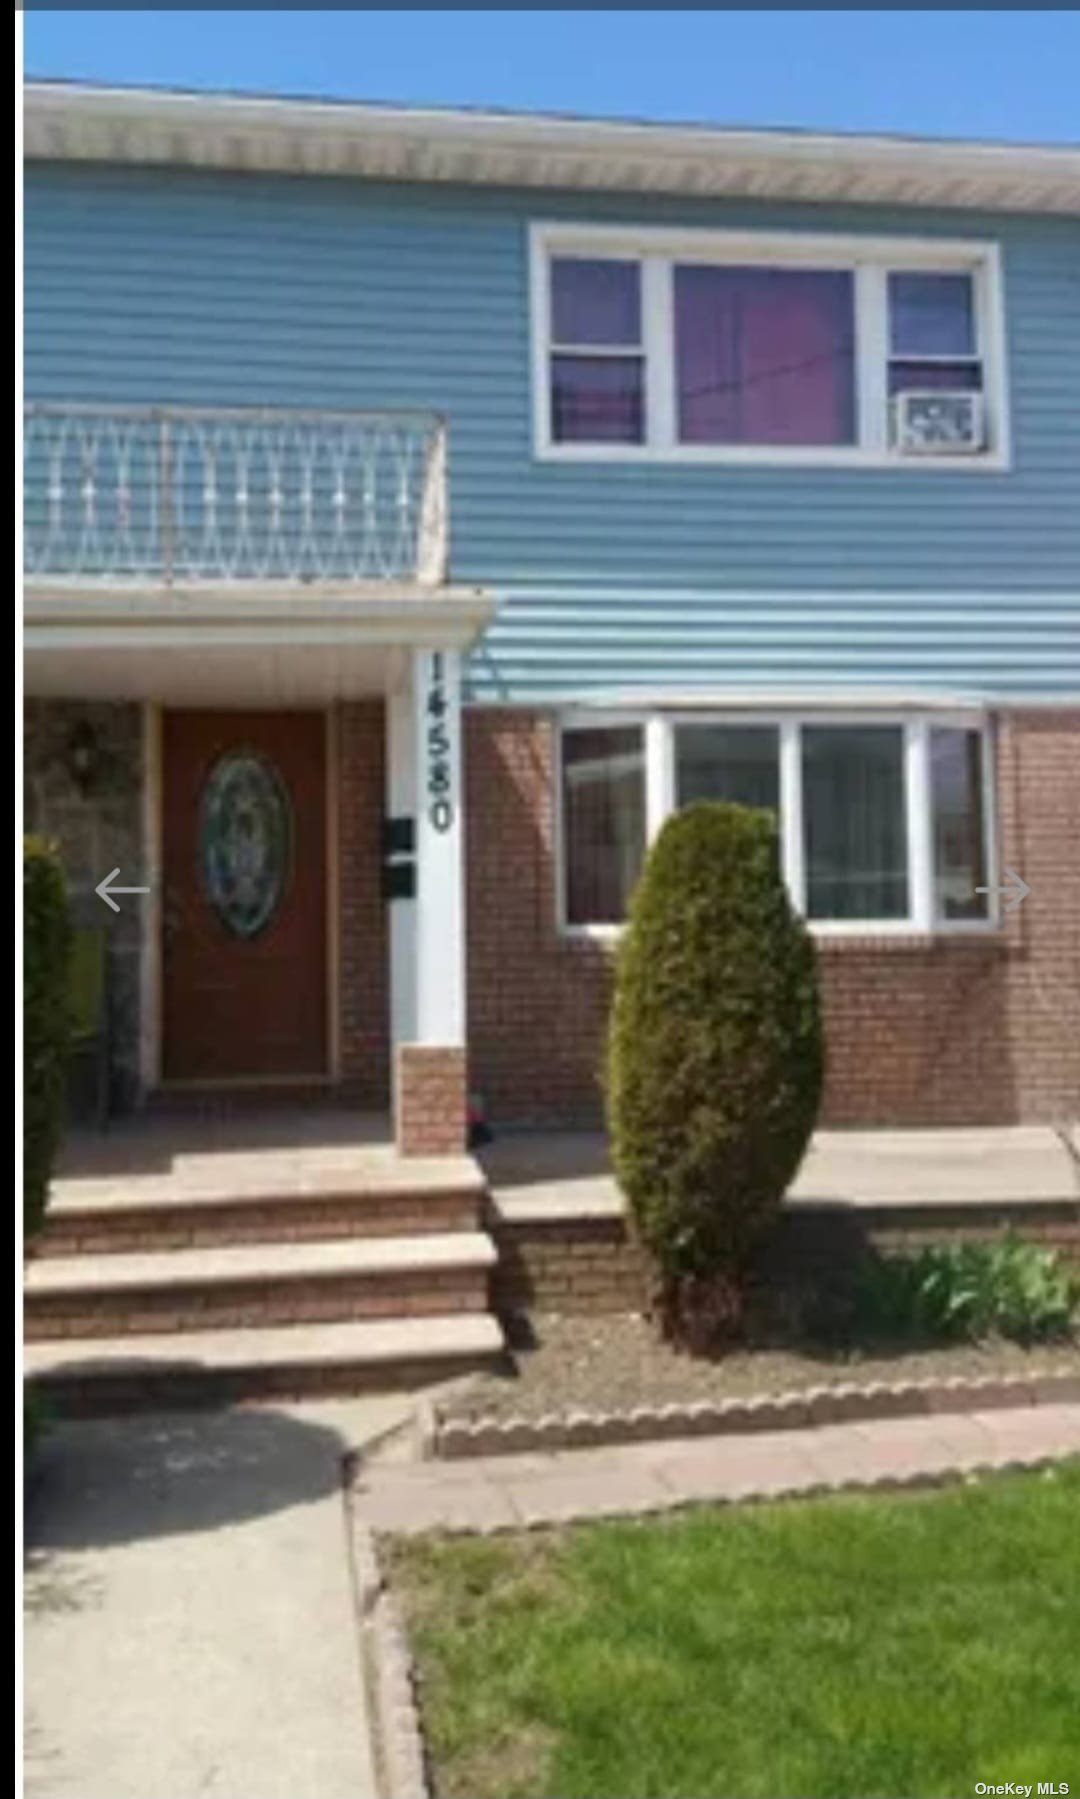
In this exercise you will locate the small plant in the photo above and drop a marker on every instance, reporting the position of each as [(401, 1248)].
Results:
[(1007, 1288), (46, 1020), (35, 1421), (714, 1058)]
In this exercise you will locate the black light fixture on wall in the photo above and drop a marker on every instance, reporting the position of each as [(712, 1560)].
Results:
[(82, 757)]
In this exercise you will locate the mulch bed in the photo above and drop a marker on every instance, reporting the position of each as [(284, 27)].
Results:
[(619, 1362)]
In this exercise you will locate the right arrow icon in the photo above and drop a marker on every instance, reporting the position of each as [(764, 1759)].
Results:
[(1015, 886)]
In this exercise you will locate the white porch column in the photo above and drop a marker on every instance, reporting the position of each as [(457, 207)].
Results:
[(401, 804), (440, 898), (427, 932)]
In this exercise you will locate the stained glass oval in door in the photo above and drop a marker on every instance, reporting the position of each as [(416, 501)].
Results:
[(245, 841)]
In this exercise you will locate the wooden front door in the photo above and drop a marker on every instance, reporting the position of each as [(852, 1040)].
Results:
[(244, 899)]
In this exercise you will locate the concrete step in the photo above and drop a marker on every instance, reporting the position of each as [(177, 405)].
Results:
[(258, 1284), (215, 1367), (266, 1205)]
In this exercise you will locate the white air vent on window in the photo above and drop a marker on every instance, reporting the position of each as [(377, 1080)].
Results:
[(938, 422)]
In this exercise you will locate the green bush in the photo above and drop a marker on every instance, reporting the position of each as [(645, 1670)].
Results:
[(46, 1021), (1007, 1288), (715, 1057)]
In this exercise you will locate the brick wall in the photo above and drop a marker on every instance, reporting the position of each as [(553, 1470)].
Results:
[(536, 1001), (1039, 802), (582, 1266), (919, 1031), (571, 1265), (363, 973), (430, 1100)]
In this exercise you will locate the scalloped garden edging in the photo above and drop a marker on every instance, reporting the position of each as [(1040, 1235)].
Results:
[(390, 1675), (454, 1439)]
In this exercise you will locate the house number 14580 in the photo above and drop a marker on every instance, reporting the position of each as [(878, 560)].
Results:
[(440, 794)]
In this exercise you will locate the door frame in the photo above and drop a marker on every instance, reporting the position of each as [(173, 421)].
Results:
[(151, 948)]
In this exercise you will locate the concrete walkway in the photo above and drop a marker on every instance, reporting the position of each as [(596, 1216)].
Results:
[(508, 1492), (190, 1622), (191, 1626)]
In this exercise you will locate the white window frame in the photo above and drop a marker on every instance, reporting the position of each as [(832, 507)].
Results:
[(870, 259), (658, 732)]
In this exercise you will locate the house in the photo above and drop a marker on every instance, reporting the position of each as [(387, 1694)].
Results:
[(420, 505)]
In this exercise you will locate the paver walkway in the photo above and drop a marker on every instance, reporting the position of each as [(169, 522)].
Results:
[(190, 1620), (506, 1492)]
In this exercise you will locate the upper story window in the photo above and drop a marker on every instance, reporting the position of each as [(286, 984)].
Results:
[(597, 356), (767, 348), (764, 356)]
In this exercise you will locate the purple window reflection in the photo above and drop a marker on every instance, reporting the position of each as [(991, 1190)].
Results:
[(931, 315), (595, 301), (765, 356), (597, 399)]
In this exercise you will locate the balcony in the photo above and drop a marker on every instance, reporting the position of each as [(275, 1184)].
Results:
[(196, 498)]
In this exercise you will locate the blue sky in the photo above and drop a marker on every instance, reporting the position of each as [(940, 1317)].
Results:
[(975, 73)]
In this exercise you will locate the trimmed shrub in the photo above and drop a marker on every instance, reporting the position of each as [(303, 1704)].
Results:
[(715, 1058), (46, 1020)]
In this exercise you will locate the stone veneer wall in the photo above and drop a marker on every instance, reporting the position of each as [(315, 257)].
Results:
[(97, 828)]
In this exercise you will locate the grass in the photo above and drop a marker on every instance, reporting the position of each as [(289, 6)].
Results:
[(900, 1647)]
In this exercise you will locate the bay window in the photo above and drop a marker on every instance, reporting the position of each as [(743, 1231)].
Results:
[(854, 824), (960, 852), (603, 819), (733, 762), (883, 822), (759, 346)]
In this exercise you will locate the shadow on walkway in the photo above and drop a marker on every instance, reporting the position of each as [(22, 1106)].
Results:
[(109, 1481)]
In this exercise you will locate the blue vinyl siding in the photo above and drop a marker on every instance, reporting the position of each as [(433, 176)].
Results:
[(219, 289)]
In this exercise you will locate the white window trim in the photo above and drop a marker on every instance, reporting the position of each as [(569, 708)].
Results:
[(659, 798), (658, 734), (869, 258)]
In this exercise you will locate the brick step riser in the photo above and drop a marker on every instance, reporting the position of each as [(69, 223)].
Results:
[(241, 1305), (100, 1395), (278, 1221)]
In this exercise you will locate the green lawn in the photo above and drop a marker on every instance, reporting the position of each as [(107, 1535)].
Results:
[(899, 1647)]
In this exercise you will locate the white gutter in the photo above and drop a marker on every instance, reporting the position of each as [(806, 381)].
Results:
[(120, 125)]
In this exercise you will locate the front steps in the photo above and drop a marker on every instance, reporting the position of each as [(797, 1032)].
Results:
[(94, 1218), (323, 1269), (217, 1367), (269, 1283)]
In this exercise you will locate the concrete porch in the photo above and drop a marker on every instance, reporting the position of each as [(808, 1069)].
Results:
[(1023, 1165)]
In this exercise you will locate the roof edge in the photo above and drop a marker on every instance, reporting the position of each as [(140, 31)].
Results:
[(72, 122)]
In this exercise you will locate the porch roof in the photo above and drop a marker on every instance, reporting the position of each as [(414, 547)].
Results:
[(226, 644)]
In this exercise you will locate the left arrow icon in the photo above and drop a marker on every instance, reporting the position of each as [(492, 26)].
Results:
[(105, 889)]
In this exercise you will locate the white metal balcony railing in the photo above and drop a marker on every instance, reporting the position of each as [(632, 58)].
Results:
[(178, 495)]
